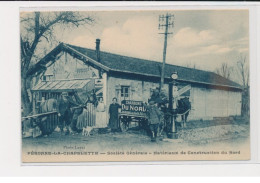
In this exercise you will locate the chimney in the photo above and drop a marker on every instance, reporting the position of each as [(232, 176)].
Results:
[(98, 49)]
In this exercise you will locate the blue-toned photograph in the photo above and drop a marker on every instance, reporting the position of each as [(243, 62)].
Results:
[(147, 85)]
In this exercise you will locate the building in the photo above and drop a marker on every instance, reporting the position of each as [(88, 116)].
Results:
[(71, 68)]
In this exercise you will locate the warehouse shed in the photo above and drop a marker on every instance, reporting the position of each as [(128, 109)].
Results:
[(128, 78)]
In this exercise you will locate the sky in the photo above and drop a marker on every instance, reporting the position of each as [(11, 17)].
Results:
[(204, 38)]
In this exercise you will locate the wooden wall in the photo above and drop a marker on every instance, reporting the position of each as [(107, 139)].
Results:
[(209, 103), (67, 67), (206, 103)]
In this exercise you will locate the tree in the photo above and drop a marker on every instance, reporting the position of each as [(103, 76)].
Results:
[(225, 70), (37, 31), (243, 73), (192, 66)]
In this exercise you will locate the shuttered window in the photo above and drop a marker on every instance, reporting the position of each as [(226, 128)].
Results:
[(125, 91)]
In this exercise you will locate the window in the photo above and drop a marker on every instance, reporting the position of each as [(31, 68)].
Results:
[(47, 77), (44, 78), (125, 91)]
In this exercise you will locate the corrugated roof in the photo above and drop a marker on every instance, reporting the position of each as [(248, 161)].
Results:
[(152, 68), (61, 85)]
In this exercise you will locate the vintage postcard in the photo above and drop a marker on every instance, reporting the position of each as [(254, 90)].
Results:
[(150, 85)]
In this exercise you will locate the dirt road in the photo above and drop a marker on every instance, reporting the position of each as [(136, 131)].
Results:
[(222, 136)]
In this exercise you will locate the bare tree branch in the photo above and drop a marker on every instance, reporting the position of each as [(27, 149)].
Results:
[(35, 29), (225, 70), (243, 71), (42, 27)]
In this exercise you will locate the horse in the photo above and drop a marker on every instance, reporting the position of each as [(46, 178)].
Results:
[(49, 105), (183, 109)]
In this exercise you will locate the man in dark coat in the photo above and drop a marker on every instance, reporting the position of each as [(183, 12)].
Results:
[(154, 117), (113, 115), (64, 111)]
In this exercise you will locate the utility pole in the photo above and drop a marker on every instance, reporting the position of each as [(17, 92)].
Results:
[(165, 22)]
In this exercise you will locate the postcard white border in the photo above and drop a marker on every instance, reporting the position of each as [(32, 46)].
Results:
[(10, 70)]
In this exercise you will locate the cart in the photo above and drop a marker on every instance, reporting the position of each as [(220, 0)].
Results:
[(132, 112)]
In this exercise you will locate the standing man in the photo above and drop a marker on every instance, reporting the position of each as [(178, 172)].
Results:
[(113, 115), (154, 116), (64, 111)]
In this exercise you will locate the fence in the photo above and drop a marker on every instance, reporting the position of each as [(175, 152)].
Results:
[(88, 117)]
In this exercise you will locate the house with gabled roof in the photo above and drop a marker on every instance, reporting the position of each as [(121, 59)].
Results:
[(69, 68)]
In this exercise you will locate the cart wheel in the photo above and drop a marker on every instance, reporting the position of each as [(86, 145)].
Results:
[(124, 125)]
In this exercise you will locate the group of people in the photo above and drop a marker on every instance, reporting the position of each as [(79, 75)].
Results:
[(68, 119), (155, 116)]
